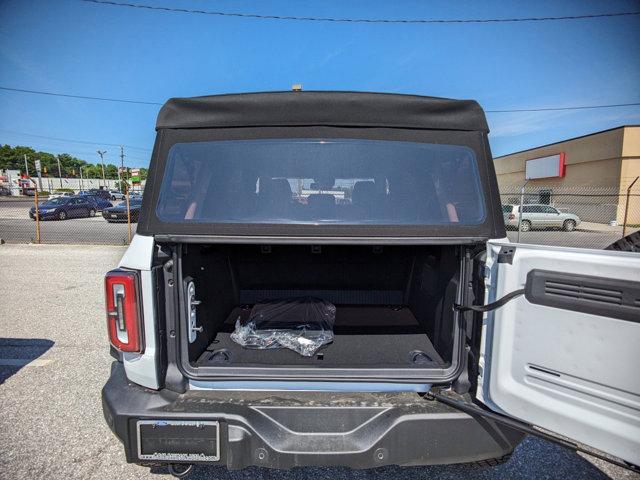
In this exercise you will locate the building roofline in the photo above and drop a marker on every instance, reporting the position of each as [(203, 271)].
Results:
[(566, 140)]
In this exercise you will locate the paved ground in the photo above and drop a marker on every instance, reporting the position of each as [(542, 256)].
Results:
[(54, 360)]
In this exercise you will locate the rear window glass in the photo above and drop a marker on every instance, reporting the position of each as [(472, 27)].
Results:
[(316, 181)]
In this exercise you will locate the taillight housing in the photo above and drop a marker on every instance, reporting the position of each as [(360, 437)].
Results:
[(512, 216), (124, 310)]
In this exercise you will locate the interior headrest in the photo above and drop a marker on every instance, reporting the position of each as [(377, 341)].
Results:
[(363, 192), (275, 189)]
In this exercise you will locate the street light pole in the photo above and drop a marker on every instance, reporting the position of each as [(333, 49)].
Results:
[(101, 153), (59, 171), (26, 165)]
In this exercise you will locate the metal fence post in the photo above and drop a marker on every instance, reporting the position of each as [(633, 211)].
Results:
[(126, 187), (520, 210), (35, 199), (626, 207)]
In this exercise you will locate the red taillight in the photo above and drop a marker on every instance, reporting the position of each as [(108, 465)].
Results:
[(512, 216), (124, 313)]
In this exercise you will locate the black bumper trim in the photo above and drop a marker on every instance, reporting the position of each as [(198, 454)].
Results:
[(288, 429)]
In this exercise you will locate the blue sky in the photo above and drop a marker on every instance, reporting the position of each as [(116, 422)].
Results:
[(78, 48)]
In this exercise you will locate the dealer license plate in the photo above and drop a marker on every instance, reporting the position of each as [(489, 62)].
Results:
[(179, 440)]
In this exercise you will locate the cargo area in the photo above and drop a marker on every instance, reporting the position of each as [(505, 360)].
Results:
[(393, 304)]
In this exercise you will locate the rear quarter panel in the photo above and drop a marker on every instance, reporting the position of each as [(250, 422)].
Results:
[(143, 368)]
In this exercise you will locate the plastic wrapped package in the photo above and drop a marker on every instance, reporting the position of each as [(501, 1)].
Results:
[(300, 324)]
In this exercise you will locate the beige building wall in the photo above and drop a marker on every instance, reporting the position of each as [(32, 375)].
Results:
[(603, 161), (593, 160), (629, 171)]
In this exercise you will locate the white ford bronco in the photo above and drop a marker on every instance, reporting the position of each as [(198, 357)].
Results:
[(323, 278)]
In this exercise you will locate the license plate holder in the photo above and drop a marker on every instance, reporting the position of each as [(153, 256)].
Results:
[(179, 440)]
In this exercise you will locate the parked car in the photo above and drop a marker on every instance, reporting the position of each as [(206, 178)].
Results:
[(61, 194), (99, 202), (116, 195), (4, 191), (539, 216), (119, 212), (64, 207), (100, 193), (386, 279)]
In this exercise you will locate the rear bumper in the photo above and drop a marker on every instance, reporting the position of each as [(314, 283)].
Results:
[(288, 429)]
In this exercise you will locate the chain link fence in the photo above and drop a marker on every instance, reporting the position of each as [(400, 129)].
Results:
[(78, 224), (589, 217), (578, 216)]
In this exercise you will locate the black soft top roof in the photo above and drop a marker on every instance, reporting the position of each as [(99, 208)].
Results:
[(349, 109)]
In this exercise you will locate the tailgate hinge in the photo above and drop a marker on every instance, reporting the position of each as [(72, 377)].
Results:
[(505, 255)]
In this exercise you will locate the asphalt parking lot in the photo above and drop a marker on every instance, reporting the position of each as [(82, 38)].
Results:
[(17, 227), (54, 360)]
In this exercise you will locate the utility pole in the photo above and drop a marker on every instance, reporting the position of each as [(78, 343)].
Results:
[(26, 165), (59, 171), (101, 153), (118, 169), (81, 186), (122, 155)]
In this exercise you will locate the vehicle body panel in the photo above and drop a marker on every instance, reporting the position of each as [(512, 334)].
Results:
[(583, 384), (143, 368)]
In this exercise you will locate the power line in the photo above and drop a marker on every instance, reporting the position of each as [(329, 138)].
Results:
[(544, 109), (83, 97), (86, 142), (358, 20), (555, 109)]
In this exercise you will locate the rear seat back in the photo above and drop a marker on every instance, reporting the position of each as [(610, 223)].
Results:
[(321, 205)]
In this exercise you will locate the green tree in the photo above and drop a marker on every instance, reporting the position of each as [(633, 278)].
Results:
[(13, 158)]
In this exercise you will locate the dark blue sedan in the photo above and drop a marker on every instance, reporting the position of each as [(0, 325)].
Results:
[(100, 202), (64, 207), (119, 213)]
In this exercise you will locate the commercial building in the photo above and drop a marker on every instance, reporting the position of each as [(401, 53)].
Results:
[(589, 175)]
